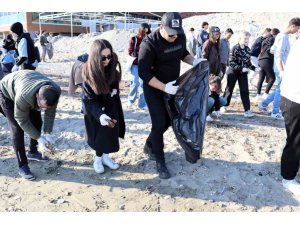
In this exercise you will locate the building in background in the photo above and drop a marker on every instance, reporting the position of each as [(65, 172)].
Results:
[(80, 22)]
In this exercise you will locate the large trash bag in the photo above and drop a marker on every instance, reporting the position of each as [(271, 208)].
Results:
[(187, 110)]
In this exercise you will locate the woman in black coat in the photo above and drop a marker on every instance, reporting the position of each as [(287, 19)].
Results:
[(103, 114)]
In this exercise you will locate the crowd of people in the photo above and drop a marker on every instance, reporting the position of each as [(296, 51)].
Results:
[(155, 66)]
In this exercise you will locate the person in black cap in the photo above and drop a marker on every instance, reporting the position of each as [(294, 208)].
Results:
[(25, 48), (159, 67), (211, 51)]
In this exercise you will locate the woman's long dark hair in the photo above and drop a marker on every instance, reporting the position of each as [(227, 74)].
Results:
[(212, 40), (95, 74)]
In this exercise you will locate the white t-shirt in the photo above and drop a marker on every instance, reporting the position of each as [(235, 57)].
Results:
[(290, 86), (22, 49)]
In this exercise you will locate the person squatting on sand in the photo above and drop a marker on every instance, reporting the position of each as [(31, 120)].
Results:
[(103, 114), (23, 94), (215, 101), (159, 67), (239, 66), (281, 49)]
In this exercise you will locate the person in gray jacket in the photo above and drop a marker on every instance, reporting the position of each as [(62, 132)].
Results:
[(23, 94), (225, 51)]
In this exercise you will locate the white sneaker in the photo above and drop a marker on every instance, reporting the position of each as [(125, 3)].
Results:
[(109, 162), (209, 119), (258, 98), (144, 108), (277, 116), (264, 96), (264, 109), (98, 166), (292, 186), (216, 114), (223, 109), (249, 114)]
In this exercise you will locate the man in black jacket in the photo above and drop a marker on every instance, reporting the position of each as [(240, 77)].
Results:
[(159, 67), (25, 49)]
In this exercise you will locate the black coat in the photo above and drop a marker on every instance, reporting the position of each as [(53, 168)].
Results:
[(102, 138)]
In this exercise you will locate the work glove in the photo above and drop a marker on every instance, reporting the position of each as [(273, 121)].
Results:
[(103, 120), (114, 92), (15, 68), (245, 70), (197, 61), (49, 138), (170, 88), (43, 144)]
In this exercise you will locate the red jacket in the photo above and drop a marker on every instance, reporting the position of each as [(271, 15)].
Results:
[(134, 47)]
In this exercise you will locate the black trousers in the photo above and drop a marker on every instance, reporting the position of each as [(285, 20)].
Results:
[(16, 132), (223, 70), (28, 67), (291, 152), (266, 71), (242, 78), (160, 119)]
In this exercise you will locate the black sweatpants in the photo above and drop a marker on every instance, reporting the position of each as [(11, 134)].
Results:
[(28, 67), (223, 70), (291, 152), (160, 119), (266, 71), (16, 132), (232, 77)]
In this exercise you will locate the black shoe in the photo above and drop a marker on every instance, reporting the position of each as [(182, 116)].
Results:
[(25, 173), (162, 170), (148, 151), (37, 156)]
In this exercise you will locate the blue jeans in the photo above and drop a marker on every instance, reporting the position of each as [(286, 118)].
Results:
[(136, 85), (211, 102), (274, 96), (198, 52)]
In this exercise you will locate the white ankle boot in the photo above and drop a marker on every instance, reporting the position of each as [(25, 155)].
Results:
[(98, 166), (109, 162)]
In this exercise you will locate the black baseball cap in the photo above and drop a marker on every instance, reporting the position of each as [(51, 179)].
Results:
[(215, 29), (172, 22)]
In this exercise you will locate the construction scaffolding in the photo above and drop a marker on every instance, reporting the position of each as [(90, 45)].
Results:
[(122, 20)]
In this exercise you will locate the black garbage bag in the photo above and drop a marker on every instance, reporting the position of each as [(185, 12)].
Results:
[(187, 110)]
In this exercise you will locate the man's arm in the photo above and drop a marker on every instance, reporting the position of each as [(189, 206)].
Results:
[(154, 82), (21, 114), (189, 59), (281, 44)]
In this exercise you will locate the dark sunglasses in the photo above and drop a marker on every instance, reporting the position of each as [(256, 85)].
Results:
[(109, 57)]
